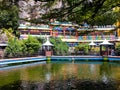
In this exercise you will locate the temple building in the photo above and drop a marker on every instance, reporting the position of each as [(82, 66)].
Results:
[(72, 33)]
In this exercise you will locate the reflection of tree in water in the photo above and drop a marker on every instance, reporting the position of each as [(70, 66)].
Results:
[(105, 71), (105, 68)]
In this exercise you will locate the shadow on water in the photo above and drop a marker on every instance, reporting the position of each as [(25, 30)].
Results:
[(69, 84), (77, 84)]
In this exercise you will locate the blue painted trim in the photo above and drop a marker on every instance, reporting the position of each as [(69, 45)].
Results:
[(77, 58), (58, 58), (113, 59), (85, 58), (23, 60), (22, 66)]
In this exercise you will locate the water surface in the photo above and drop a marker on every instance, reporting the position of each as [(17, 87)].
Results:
[(63, 75)]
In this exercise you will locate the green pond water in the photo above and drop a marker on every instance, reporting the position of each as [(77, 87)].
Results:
[(61, 76)]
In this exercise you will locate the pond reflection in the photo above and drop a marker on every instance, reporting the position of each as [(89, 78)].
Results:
[(62, 76)]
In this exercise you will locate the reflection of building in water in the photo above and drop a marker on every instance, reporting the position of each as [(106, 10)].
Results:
[(92, 68), (88, 71), (115, 72), (48, 76), (81, 71), (105, 79), (24, 77), (33, 77)]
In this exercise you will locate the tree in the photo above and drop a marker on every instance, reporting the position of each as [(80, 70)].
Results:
[(117, 49), (17, 48), (59, 48), (82, 47), (9, 16), (32, 45), (77, 11), (14, 48), (73, 10), (83, 10)]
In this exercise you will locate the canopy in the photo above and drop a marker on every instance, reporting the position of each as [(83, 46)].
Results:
[(47, 43), (92, 43), (106, 42)]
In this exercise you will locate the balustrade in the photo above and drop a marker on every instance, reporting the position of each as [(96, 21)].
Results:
[(102, 37)]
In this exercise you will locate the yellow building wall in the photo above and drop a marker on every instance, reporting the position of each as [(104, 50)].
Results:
[(118, 30), (117, 9)]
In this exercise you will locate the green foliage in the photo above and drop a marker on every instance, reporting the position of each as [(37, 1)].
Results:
[(82, 47), (9, 16), (105, 69), (32, 45), (117, 50), (60, 48), (40, 39), (14, 48), (95, 12), (105, 19), (18, 47), (8, 32)]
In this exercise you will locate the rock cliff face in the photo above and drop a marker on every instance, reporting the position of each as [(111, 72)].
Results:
[(29, 9)]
